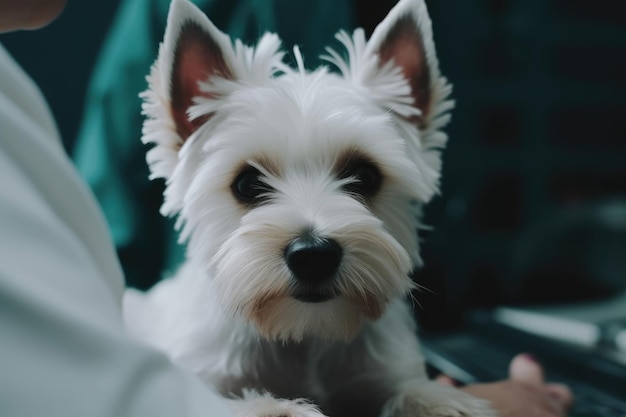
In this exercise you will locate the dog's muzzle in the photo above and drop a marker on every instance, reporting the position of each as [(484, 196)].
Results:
[(313, 261)]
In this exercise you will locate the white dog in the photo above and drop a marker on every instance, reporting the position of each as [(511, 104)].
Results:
[(299, 194)]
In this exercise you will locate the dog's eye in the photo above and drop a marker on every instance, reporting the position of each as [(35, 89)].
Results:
[(248, 187), (366, 178)]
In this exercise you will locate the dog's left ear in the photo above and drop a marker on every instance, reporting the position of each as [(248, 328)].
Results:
[(404, 39)]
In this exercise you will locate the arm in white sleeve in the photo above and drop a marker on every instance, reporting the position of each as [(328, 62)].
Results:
[(63, 348)]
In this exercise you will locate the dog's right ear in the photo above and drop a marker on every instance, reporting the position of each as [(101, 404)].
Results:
[(193, 51)]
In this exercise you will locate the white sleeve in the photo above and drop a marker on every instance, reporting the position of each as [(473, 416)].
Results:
[(63, 348)]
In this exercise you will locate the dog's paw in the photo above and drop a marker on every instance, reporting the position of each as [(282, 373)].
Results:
[(430, 399), (255, 404)]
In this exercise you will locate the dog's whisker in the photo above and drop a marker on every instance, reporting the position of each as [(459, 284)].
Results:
[(415, 301)]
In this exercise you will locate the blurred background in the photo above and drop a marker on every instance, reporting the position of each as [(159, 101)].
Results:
[(533, 203)]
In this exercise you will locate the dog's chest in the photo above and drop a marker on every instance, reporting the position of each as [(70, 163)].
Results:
[(284, 370)]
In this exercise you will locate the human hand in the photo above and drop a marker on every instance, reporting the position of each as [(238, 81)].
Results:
[(28, 14), (525, 393)]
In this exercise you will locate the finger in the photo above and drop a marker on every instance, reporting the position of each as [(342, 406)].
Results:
[(525, 368), (446, 380), (561, 394)]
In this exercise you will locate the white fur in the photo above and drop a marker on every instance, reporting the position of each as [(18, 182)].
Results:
[(228, 315)]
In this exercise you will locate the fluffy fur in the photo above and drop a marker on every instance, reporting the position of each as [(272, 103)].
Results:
[(262, 159)]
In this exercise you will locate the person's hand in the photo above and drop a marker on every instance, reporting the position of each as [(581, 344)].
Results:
[(525, 394), (28, 14)]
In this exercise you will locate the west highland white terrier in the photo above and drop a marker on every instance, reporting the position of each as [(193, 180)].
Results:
[(299, 195)]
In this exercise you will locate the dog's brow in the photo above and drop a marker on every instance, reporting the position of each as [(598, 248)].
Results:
[(347, 158), (267, 164)]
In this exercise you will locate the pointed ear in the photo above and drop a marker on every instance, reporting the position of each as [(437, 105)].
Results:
[(404, 38), (197, 66), (193, 50)]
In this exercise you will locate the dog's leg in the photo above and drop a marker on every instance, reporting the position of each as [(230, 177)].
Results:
[(255, 404), (387, 365), (423, 398)]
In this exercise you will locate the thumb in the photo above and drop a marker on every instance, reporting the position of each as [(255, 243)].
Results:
[(446, 380), (525, 368)]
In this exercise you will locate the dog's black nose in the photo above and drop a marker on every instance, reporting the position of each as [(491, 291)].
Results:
[(313, 259)]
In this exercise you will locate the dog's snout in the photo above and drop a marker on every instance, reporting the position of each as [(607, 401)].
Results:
[(313, 259)]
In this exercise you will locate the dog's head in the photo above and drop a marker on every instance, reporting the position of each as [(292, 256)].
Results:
[(299, 191)]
